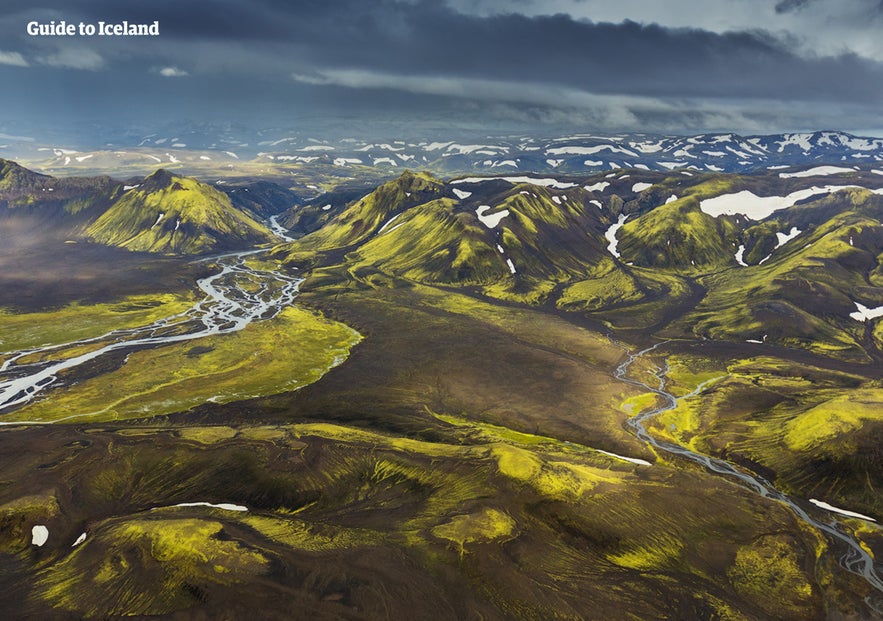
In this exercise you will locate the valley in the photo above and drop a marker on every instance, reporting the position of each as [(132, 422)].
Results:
[(560, 394)]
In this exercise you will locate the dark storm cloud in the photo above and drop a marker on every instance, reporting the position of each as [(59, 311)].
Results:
[(428, 38), (791, 5), (426, 47)]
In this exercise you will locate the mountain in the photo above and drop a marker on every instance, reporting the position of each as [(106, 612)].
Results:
[(172, 214), (261, 199), (712, 255), (311, 166)]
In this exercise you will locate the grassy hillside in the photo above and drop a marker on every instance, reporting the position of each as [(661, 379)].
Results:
[(171, 214)]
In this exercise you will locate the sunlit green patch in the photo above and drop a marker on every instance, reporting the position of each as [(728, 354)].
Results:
[(290, 351), (311, 537), (769, 571), (640, 403), (19, 515), (482, 526), (649, 553), (82, 321), (834, 417), (686, 373), (143, 567), (554, 479)]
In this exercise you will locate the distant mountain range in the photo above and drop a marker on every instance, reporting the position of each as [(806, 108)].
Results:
[(206, 154)]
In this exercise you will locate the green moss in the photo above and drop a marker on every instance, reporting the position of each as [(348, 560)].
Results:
[(769, 571), (480, 527), (80, 321), (302, 535), (833, 418), (651, 554), (145, 566), (285, 353), (175, 214)]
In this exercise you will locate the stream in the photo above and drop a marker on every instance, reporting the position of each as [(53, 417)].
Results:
[(854, 559), (233, 298)]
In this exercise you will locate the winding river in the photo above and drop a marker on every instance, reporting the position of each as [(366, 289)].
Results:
[(855, 559), (233, 298)]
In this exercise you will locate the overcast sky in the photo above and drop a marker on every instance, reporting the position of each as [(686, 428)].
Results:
[(676, 66)]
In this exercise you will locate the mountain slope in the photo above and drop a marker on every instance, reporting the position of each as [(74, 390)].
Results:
[(172, 214), (804, 293)]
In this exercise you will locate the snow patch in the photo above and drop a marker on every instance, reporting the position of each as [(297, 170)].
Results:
[(462, 194), (387, 223), (833, 509), (589, 150), (817, 171), (611, 235), (39, 535), (511, 265), (79, 540), (784, 238), (226, 506), (864, 313), (545, 182), (492, 220), (632, 460), (597, 187), (759, 207), (640, 187), (740, 253)]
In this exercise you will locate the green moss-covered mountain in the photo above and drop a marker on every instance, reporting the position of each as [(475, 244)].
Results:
[(793, 277), (167, 213)]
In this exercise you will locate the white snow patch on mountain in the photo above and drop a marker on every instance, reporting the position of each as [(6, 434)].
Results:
[(833, 509), (462, 194), (39, 535), (545, 182), (572, 150), (800, 140), (817, 171), (492, 220), (784, 238), (640, 187), (387, 223), (740, 253), (597, 187), (611, 235), (759, 207), (864, 313)]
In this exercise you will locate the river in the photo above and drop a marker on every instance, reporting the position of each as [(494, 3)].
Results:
[(854, 559), (233, 298)]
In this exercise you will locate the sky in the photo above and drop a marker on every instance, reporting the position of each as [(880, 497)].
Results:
[(544, 66)]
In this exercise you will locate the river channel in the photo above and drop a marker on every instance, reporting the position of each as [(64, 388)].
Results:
[(233, 298), (854, 558)]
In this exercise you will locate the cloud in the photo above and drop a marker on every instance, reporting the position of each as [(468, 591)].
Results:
[(14, 59), (791, 5), (173, 72), (74, 58)]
